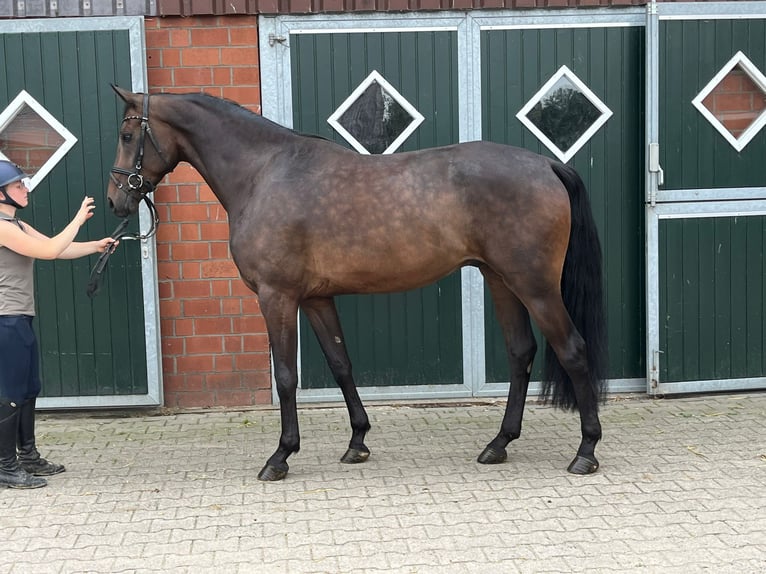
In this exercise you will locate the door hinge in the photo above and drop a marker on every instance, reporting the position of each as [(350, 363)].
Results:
[(655, 168), (274, 39)]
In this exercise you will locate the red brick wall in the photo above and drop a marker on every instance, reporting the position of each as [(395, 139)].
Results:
[(214, 342), (737, 101)]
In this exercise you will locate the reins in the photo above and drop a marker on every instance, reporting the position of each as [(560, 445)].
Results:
[(137, 188), (119, 234)]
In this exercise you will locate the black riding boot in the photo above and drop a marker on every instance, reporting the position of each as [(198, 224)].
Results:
[(29, 459), (11, 473)]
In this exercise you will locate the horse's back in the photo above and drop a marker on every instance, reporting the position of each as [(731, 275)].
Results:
[(498, 185), (354, 223)]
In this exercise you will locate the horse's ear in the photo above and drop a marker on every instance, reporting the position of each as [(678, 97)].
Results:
[(124, 94)]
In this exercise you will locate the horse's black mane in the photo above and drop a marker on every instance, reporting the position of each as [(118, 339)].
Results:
[(232, 107)]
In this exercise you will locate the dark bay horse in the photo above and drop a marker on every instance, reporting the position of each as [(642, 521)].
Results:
[(310, 219)]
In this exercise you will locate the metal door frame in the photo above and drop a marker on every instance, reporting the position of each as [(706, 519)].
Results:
[(534, 19), (134, 25), (276, 89), (276, 104), (688, 203)]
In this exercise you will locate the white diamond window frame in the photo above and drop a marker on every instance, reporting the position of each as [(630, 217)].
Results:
[(565, 155), (376, 77), (758, 78), (14, 108)]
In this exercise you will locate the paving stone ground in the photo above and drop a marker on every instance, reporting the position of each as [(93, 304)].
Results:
[(681, 489)]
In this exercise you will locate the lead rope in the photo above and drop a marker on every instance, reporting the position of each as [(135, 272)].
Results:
[(94, 282)]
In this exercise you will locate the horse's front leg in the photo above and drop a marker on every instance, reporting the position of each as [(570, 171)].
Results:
[(281, 314), (323, 317)]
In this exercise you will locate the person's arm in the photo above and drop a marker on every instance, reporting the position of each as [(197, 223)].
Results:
[(32, 243), (79, 249)]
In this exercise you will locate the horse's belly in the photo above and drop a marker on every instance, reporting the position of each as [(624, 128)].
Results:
[(402, 257), (384, 277)]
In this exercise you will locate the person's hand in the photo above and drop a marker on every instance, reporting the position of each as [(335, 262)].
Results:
[(86, 210), (107, 243)]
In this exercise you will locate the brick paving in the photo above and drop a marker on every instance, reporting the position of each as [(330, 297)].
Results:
[(681, 489)]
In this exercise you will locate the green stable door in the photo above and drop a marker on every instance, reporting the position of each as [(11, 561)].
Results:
[(707, 220), (93, 351), (577, 95), (383, 92)]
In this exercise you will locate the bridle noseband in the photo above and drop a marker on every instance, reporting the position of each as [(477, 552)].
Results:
[(138, 188)]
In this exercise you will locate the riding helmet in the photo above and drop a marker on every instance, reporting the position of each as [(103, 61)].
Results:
[(10, 172)]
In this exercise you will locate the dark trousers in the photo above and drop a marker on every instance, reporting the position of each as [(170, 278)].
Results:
[(19, 359)]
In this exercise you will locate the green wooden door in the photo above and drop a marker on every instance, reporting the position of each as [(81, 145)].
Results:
[(405, 341), (708, 215), (609, 62), (93, 352)]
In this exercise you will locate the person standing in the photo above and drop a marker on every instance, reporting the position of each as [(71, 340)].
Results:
[(21, 465)]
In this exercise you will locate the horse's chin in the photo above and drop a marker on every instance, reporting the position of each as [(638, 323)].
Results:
[(124, 208), (122, 211)]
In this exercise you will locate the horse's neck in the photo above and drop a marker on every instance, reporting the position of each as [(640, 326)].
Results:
[(224, 157)]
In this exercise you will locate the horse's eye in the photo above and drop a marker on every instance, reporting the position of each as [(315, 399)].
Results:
[(126, 137)]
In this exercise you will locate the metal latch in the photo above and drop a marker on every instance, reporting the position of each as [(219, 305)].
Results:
[(654, 377), (654, 167)]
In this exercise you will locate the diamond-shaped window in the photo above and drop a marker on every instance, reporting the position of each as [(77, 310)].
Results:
[(32, 138), (564, 114), (734, 101), (375, 118)]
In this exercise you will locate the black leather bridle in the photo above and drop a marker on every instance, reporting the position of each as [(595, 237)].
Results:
[(135, 186)]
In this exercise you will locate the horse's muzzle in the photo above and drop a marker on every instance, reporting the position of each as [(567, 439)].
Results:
[(123, 208)]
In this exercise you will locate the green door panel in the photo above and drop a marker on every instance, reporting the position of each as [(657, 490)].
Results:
[(712, 293), (411, 338), (610, 61), (691, 53), (711, 271), (88, 347)]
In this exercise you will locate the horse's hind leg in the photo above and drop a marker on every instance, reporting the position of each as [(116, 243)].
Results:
[(556, 326), (323, 317), (521, 347)]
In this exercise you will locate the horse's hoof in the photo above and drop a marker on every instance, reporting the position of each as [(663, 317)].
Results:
[(355, 456), (492, 456), (270, 473), (583, 465)]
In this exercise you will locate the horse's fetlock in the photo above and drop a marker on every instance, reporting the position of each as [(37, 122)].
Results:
[(361, 426), (289, 446), (510, 437), (591, 434)]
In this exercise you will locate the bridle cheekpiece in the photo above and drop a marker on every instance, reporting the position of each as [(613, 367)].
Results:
[(136, 185)]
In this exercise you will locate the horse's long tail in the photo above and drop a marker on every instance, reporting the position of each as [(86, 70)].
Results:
[(582, 291)]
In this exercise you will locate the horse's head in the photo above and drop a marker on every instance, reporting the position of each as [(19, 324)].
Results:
[(145, 153)]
